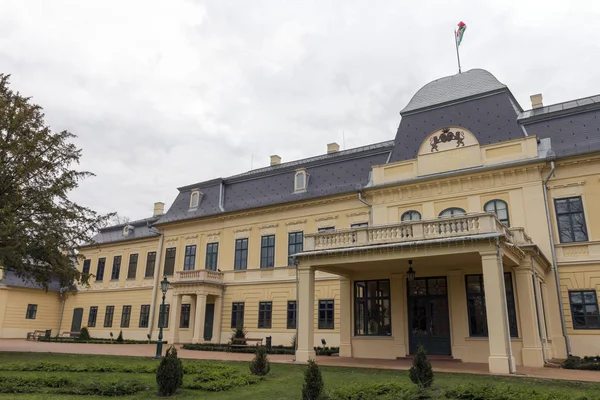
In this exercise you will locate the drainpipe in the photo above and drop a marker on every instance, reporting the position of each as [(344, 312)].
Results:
[(296, 262), (362, 200), (537, 309), (554, 263), (155, 288), (505, 310), (62, 309)]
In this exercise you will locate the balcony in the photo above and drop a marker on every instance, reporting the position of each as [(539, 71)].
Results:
[(410, 231), (198, 276)]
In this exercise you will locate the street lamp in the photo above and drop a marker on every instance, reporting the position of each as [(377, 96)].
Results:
[(164, 286)]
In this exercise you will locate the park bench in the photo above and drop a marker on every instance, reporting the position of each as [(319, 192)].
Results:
[(243, 342), (36, 334)]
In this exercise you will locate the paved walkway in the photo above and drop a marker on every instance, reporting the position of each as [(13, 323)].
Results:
[(148, 350)]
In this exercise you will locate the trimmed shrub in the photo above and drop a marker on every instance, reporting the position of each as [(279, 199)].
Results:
[(219, 378), (472, 391), (60, 385), (84, 334), (421, 373), (313, 382), (120, 337), (585, 363), (238, 333), (377, 391), (169, 375), (260, 365)]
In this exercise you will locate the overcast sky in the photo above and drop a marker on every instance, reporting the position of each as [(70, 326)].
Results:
[(167, 93)]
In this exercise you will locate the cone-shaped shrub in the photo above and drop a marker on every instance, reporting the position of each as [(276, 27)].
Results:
[(260, 364), (84, 334), (169, 375), (313, 382), (120, 337), (421, 373)]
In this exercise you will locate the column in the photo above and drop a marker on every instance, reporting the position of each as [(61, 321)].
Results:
[(345, 317), (175, 310), (457, 296), (399, 314), (306, 314), (217, 320), (496, 321), (199, 318), (529, 328)]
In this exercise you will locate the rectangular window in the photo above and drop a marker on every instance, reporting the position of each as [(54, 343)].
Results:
[(476, 305), (189, 261), (326, 314), (184, 321), (326, 229), (291, 314), (241, 254), (584, 309), (237, 315), (359, 225), (150, 263), (163, 318), (265, 313), (267, 251), (144, 315), (372, 314), (295, 245), (170, 261), (212, 253), (570, 220), (125, 316), (132, 270), (31, 311), (86, 266), (108, 317), (100, 270), (116, 270), (92, 317)]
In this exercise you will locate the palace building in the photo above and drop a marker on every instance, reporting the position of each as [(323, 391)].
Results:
[(475, 233)]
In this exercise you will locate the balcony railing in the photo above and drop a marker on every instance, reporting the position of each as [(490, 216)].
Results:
[(439, 228), (198, 275)]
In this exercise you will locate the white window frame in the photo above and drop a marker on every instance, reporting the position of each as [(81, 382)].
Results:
[(300, 172), (197, 193)]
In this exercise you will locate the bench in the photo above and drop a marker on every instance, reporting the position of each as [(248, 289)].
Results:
[(245, 342), (35, 334)]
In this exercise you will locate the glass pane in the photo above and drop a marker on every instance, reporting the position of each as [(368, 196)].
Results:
[(419, 318), (371, 288), (360, 290), (384, 288), (575, 205), (439, 320), (592, 316), (579, 227), (502, 214), (418, 287), (474, 284), (360, 318), (477, 321), (576, 298), (386, 318), (436, 286), (578, 316), (589, 297), (564, 228), (561, 206)]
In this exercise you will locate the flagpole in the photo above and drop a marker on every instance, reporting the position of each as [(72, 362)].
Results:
[(457, 54)]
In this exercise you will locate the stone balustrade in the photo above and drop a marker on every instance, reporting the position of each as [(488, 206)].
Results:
[(439, 228), (198, 275)]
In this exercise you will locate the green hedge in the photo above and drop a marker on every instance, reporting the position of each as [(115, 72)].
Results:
[(102, 341), (326, 351), (378, 391), (189, 368), (585, 363), (506, 392), (219, 378), (60, 385)]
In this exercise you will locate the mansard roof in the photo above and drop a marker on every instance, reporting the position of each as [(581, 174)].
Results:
[(142, 229)]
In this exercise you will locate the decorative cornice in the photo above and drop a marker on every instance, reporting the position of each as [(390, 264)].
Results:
[(564, 185), (243, 230), (173, 239), (301, 221), (191, 237), (213, 233), (357, 214), (329, 217), (269, 226)]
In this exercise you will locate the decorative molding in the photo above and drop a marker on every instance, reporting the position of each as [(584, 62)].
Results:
[(269, 226), (191, 237), (302, 221), (575, 251), (330, 217), (242, 230), (565, 185), (357, 214), (173, 239)]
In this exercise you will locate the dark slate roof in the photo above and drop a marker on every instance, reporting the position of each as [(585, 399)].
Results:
[(560, 109), (110, 234), (9, 278), (453, 88), (336, 173), (492, 118)]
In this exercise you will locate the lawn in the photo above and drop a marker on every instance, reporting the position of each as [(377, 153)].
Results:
[(284, 381)]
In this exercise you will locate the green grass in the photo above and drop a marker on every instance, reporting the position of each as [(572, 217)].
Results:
[(284, 381)]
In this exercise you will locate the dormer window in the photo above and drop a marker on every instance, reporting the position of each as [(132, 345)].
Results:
[(195, 198), (127, 230), (300, 180)]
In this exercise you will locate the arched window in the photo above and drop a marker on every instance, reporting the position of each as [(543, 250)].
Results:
[(452, 212), (411, 215), (300, 180), (195, 199), (500, 208)]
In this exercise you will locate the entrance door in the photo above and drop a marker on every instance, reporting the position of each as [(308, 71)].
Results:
[(208, 321), (76, 322), (428, 316)]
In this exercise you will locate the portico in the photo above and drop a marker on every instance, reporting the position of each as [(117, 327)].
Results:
[(471, 297)]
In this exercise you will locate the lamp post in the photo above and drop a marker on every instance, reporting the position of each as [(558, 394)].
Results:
[(164, 286), (410, 274)]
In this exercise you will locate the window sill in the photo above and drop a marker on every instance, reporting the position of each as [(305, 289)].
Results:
[(486, 339), (372, 337), (148, 277), (114, 280)]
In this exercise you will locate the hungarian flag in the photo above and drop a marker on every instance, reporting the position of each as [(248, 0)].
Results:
[(462, 27)]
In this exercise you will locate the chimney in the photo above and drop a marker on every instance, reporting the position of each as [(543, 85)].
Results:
[(275, 159), (333, 148), (159, 208), (536, 100)]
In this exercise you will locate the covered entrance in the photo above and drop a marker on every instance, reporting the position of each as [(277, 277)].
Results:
[(428, 321)]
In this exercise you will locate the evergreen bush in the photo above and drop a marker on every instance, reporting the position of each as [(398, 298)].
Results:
[(120, 337), (313, 382), (260, 365), (169, 375), (421, 373), (238, 333), (84, 334)]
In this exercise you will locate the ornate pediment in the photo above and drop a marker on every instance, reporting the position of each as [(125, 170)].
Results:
[(447, 138)]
